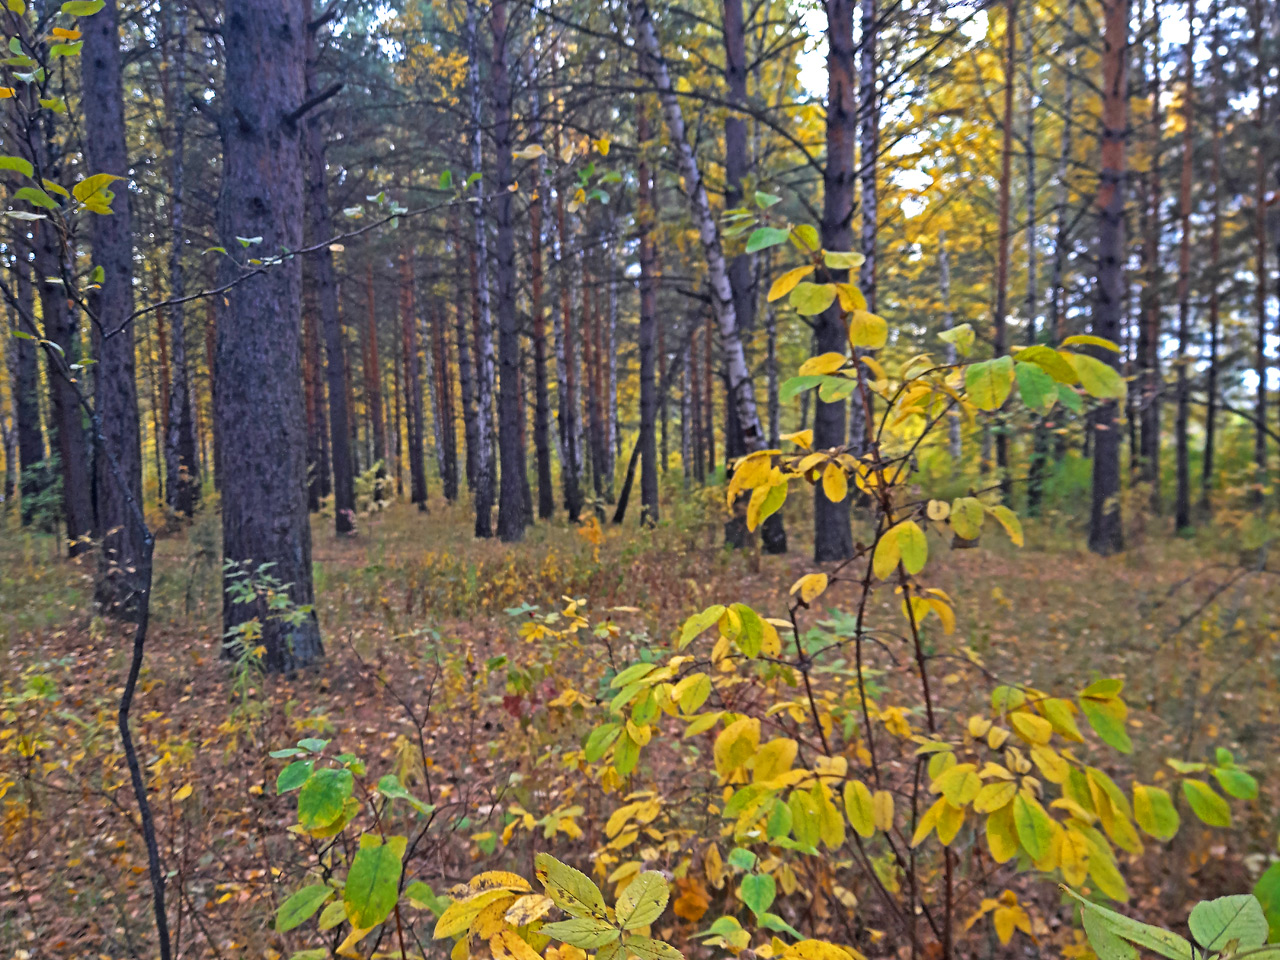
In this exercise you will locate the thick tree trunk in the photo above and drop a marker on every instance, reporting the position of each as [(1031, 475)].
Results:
[(181, 466), (832, 534), (646, 444), (1106, 535), (510, 406), (320, 228), (1182, 501), (264, 504), (119, 465), (483, 489)]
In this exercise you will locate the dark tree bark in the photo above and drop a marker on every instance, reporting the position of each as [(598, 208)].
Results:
[(567, 372), (412, 386), (320, 228), (259, 396), (119, 484), (647, 441), (1182, 501), (510, 405), (466, 384), (444, 386), (832, 534), (1106, 535), (314, 395), (182, 469), (541, 392), (1150, 396), (373, 384), (1215, 268), (483, 489), (25, 373), (1261, 163)]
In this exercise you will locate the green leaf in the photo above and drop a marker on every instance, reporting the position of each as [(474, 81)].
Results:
[(810, 299), (989, 382), (805, 238), (600, 740), (699, 622), (66, 49), (1206, 804), (96, 184), (961, 337), (391, 788), (1154, 810), (1107, 717), (764, 237), (82, 8), (642, 901), (750, 635), (587, 933), (1236, 782), (758, 892), (1070, 399), (422, 897), (766, 200), (313, 744), (373, 882), (1099, 379), (913, 546), (647, 948), (36, 197), (301, 906), (1038, 390), (1164, 942), (1035, 830), (17, 163), (629, 674), (294, 775), (322, 797), (796, 385), (771, 921), (966, 517), (1216, 923), (572, 890), (1267, 890)]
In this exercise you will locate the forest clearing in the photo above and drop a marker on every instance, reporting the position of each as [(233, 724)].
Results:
[(536, 480)]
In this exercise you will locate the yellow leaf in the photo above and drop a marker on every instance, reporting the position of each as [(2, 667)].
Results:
[(802, 438), (882, 807), (834, 483), (1002, 836), (823, 364), (736, 744), (867, 331), (507, 945), (182, 793), (887, 554), (913, 547), (786, 283), (527, 909), (859, 807), (348, 946), (810, 587)]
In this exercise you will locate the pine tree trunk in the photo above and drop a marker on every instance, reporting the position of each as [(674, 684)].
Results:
[(541, 390), (1260, 262), (646, 221), (320, 228), (566, 371), (181, 467), (832, 534), (264, 504), (1182, 502), (373, 386), (1215, 270), (412, 386), (118, 446), (25, 385), (312, 395), (1106, 535), (1150, 396)]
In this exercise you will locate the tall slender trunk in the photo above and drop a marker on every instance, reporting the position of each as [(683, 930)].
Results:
[(613, 440), (1040, 441), (566, 370), (653, 65), (1151, 378), (25, 385), (211, 365), (181, 467), (1261, 160), (395, 444), (948, 321), (511, 512), (448, 414), (412, 385), (118, 445), (373, 384), (709, 401), (1182, 501), (466, 382), (320, 228), (264, 505), (541, 390), (313, 393), (1062, 225), (1106, 535), (688, 399), (1215, 267), (646, 222), (1000, 335), (832, 533), (484, 466)]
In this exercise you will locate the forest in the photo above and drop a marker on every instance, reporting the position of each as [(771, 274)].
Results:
[(659, 479)]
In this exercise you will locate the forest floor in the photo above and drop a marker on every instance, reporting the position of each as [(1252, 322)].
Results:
[(421, 628)]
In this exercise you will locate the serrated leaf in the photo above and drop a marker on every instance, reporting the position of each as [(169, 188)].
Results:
[(642, 901), (587, 933), (571, 889)]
